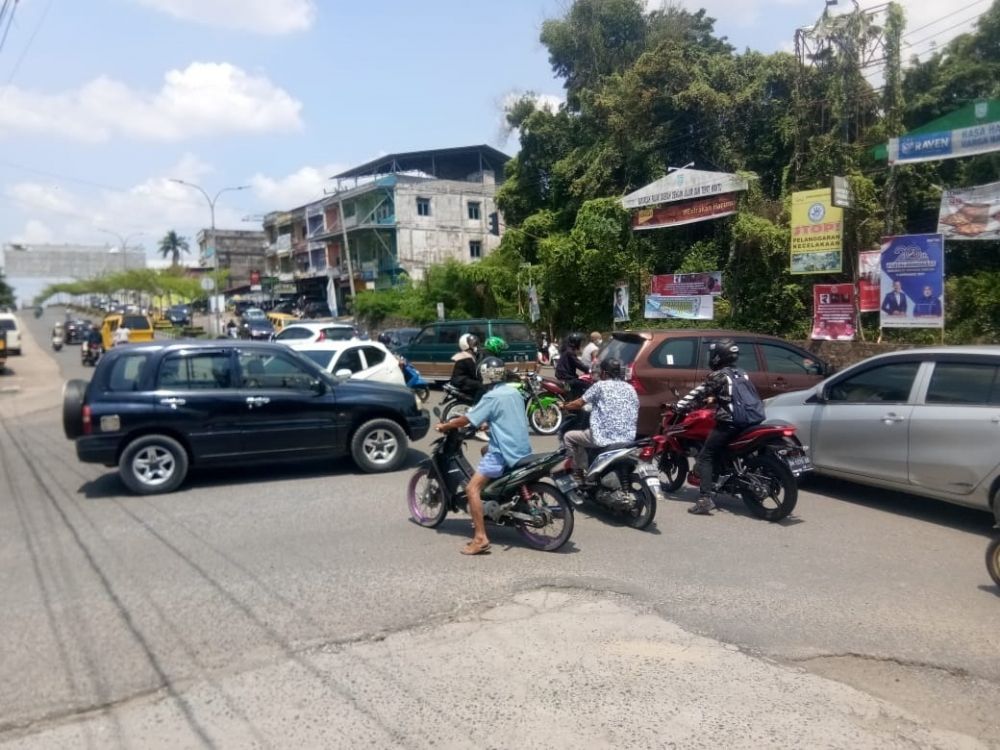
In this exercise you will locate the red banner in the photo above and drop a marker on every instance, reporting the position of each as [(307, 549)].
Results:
[(869, 281), (686, 284), (685, 212), (833, 312)]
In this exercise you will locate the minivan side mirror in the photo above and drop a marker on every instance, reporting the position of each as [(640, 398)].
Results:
[(342, 375)]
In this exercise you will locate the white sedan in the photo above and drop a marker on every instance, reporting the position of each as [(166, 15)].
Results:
[(364, 360)]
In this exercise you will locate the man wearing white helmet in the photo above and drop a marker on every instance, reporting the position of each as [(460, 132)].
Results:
[(463, 373)]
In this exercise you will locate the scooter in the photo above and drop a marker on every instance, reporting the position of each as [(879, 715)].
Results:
[(623, 478), (414, 380), (90, 354), (456, 402), (57, 340), (537, 510), (760, 464)]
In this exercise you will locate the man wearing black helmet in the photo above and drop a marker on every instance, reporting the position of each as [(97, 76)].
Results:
[(718, 387), (570, 364), (502, 407), (614, 415)]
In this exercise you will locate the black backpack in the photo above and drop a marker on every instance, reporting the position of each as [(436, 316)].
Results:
[(748, 409)]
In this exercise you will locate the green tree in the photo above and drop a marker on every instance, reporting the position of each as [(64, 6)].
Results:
[(172, 245), (6, 292)]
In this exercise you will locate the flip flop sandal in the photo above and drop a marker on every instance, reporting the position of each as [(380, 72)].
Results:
[(472, 548)]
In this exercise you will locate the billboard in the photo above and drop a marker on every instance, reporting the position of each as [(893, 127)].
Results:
[(833, 312), (686, 212), (685, 185), (912, 281), (972, 214), (686, 284), (817, 233), (620, 303), (945, 144), (869, 281), (698, 307)]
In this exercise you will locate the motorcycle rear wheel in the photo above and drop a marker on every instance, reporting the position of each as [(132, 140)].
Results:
[(454, 409), (673, 471), (782, 489), (545, 420), (993, 560), (547, 498), (425, 499), (642, 515)]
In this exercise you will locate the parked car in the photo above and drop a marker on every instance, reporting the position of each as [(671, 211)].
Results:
[(157, 410), (255, 325), (309, 332), (660, 361), (364, 360), (923, 421), (430, 351), (11, 326)]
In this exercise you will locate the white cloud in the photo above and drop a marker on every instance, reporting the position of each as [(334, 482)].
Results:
[(295, 189), (54, 213), (260, 16), (203, 99)]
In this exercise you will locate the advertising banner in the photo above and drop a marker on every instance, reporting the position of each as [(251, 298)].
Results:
[(699, 307), (972, 214), (912, 281), (620, 303), (945, 144), (817, 233), (870, 281), (833, 312), (534, 311), (686, 212), (686, 284), (684, 185)]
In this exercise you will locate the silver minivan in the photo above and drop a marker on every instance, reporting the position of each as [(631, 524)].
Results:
[(924, 421)]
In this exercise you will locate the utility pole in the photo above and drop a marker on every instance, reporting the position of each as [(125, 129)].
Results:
[(347, 249)]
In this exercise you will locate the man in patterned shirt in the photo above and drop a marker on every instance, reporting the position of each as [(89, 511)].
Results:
[(613, 418)]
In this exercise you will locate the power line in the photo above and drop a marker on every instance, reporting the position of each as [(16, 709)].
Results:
[(10, 22), (31, 39), (936, 21), (934, 37)]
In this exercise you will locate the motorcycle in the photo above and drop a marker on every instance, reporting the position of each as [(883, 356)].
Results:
[(90, 354), (455, 403), (993, 560), (760, 464), (537, 510), (623, 478), (57, 340), (541, 405), (414, 380)]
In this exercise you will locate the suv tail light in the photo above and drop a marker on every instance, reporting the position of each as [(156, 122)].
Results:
[(634, 381), (88, 425)]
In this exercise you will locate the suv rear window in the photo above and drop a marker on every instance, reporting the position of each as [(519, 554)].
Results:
[(136, 322), (625, 350)]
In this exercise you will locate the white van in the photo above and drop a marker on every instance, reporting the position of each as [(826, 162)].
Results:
[(10, 324)]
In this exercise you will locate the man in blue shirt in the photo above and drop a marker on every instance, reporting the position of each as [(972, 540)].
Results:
[(503, 408)]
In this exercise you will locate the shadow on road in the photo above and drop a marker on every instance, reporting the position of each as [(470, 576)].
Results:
[(109, 485), (972, 520), (501, 537)]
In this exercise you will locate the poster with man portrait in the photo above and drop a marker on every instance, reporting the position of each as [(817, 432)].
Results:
[(912, 281), (620, 304)]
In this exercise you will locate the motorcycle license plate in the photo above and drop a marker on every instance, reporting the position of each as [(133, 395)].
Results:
[(565, 482), (799, 463), (647, 469)]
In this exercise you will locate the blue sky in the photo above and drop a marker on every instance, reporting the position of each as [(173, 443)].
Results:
[(101, 102)]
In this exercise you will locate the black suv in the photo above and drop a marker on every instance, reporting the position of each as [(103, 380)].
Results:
[(155, 410)]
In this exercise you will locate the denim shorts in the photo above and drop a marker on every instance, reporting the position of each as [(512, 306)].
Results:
[(492, 466)]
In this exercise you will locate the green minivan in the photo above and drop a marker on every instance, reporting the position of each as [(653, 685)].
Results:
[(431, 350)]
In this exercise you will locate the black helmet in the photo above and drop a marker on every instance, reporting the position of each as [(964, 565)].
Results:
[(574, 340), (384, 338), (612, 367), (492, 370), (722, 353)]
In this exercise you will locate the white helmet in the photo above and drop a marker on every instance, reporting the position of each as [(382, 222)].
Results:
[(468, 341)]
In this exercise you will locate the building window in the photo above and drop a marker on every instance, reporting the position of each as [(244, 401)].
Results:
[(348, 210), (423, 206), (474, 210), (475, 248)]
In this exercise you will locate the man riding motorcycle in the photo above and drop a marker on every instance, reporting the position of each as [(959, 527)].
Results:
[(718, 388), (613, 419), (503, 408), (464, 375), (570, 364)]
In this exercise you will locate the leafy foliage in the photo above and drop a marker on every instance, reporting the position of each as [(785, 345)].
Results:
[(6, 292)]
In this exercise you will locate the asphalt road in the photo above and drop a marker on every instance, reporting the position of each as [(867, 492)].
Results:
[(109, 598)]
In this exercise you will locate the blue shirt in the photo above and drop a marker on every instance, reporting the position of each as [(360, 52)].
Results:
[(503, 407)]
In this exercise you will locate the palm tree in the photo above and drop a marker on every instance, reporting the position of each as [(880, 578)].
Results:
[(173, 245)]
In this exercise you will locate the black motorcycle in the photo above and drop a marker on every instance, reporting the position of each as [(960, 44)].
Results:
[(90, 353), (456, 403), (537, 510)]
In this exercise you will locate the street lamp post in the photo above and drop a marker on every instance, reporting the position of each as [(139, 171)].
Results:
[(122, 244), (211, 207)]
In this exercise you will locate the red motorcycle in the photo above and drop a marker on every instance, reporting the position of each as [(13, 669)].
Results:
[(760, 464)]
